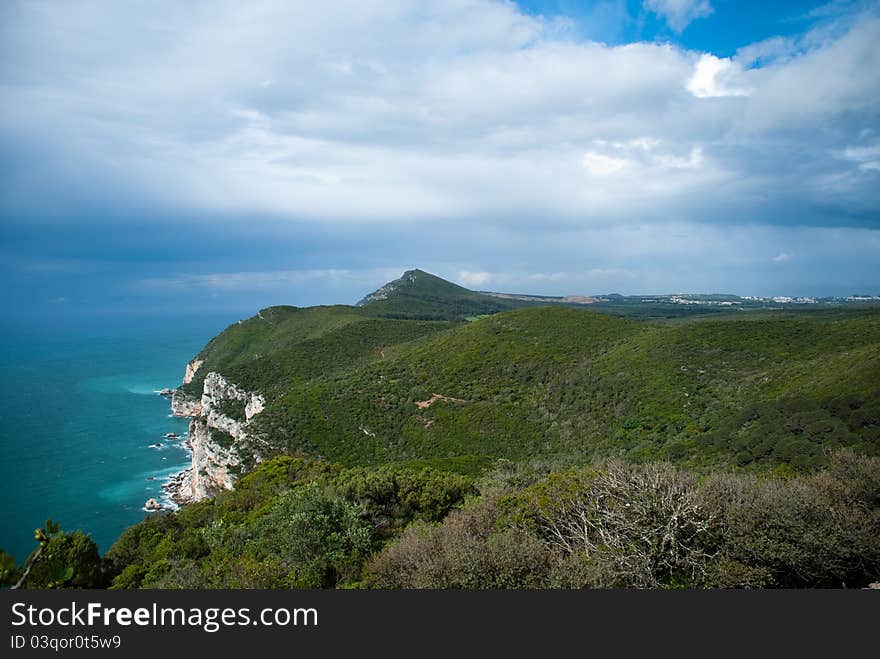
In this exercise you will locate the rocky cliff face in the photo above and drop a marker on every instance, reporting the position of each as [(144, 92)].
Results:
[(185, 405), (218, 389), (191, 369), (215, 437), (382, 293), (214, 466)]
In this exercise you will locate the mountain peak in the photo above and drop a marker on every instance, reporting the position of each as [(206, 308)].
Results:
[(411, 282), (419, 294)]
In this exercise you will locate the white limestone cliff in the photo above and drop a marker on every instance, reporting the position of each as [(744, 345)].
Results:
[(191, 369), (215, 438)]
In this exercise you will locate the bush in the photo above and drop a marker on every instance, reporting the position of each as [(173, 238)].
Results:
[(318, 538), (809, 531), (393, 496), (69, 560), (129, 560), (464, 552), (9, 573), (631, 525)]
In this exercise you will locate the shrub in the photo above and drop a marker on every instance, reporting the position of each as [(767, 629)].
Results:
[(9, 573), (809, 531), (69, 560), (318, 538), (464, 552), (637, 525), (393, 496)]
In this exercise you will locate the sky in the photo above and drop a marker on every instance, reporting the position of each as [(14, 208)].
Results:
[(220, 156)]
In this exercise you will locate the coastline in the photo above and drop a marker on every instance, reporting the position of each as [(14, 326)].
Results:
[(177, 488)]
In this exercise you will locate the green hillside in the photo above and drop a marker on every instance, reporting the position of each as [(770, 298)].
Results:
[(354, 385), (280, 345), (548, 380)]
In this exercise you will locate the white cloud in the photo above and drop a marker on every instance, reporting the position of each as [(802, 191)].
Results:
[(762, 53), (402, 112), (679, 13), (597, 163), (715, 77), (825, 88), (548, 276), (866, 157), (782, 257), (470, 279), (567, 282)]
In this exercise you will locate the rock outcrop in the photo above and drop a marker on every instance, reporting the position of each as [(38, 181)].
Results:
[(215, 437), (214, 466), (385, 291), (191, 369), (218, 389), (182, 404)]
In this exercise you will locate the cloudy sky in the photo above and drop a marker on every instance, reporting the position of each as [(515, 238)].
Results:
[(230, 155)]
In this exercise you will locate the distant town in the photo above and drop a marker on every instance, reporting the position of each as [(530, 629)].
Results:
[(729, 301)]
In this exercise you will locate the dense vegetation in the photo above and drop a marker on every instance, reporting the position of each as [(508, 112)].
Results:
[(60, 560), (763, 391), (652, 525), (291, 523), (299, 523), (740, 389), (444, 439), (283, 345)]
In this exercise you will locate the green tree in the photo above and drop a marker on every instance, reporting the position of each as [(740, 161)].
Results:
[(62, 560), (318, 537), (9, 573)]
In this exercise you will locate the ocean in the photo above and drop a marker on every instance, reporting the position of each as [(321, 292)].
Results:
[(82, 428)]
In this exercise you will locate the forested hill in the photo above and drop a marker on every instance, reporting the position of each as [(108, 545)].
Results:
[(421, 295), (371, 384)]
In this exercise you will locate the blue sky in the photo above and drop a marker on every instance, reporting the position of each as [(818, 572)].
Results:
[(718, 26), (224, 156)]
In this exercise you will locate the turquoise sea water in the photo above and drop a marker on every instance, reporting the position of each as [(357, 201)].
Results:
[(79, 414)]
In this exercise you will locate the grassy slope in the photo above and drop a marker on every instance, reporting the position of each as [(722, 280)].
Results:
[(736, 388), (778, 388), (283, 344)]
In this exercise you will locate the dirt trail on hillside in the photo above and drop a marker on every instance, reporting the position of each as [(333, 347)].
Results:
[(423, 404)]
